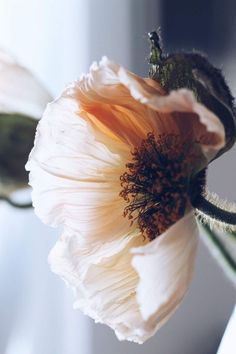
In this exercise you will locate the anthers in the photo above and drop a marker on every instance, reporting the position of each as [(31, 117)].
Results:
[(155, 184)]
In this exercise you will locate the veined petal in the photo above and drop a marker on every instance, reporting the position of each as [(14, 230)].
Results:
[(20, 91), (103, 280), (125, 107), (134, 295), (165, 268), (108, 105), (178, 112), (76, 179)]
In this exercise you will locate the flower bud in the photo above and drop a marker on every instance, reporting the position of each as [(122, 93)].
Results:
[(194, 72)]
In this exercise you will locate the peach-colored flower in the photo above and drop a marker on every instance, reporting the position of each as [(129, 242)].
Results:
[(113, 162)]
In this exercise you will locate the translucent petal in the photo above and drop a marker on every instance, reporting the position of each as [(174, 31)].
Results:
[(20, 91), (76, 179), (165, 269), (133, 300), (103, 280), (178, 112)]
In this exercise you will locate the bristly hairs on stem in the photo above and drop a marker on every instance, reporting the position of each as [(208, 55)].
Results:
[(216, 221)]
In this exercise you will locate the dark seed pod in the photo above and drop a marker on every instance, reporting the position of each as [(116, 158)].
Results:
[(193, 71)]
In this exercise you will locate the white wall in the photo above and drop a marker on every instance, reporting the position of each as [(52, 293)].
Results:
[(48, 36)]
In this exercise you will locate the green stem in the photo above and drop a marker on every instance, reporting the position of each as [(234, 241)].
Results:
[(213, 211), (222, 249), (15, 204)]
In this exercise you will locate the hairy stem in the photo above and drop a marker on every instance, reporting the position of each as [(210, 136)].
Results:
[(214, 211)]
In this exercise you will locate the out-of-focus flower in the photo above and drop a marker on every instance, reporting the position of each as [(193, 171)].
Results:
[(114, 162), (22, 101)]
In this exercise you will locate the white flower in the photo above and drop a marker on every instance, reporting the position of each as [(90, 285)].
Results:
[(114, 149), (20, 91), (22, 102)]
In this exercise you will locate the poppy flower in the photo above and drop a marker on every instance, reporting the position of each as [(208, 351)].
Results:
[(117, 162)]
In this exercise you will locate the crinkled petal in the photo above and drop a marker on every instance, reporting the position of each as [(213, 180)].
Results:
[(126, 107), (20, 91), (109, 107), (132, 292), (76, 179), (103, 280), (178, 111), (85, 139), (165, 268), (116, 101)]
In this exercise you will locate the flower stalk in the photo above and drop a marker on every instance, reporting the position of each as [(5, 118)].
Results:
[(15, 204), (213, 211)]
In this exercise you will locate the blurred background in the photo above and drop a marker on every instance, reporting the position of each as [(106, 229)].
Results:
[(58, 40)]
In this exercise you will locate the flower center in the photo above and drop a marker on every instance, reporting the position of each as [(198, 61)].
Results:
[(156, 184)]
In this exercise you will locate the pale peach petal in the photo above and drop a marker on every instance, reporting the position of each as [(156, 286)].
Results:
[(182, 113), (108, 105), (20, 91), (116, 101), (103, 280), (134, 302), (104, 283), (106, 102), (204, 126), (165, 269), (76, 179)]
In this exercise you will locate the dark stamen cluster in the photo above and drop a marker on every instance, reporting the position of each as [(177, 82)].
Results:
[(155, 184)]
